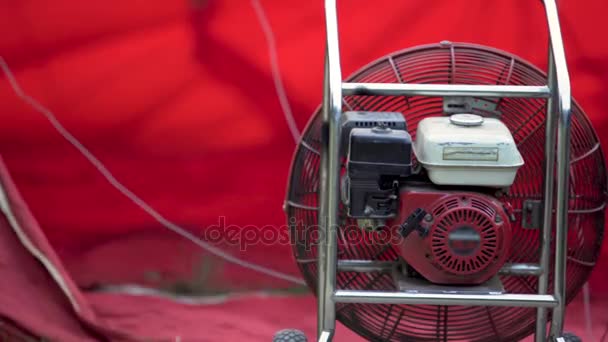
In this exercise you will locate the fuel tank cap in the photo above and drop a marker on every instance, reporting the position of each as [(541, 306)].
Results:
[(467, 120)]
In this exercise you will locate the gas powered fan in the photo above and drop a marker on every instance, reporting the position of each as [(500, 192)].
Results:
[(447, 192)]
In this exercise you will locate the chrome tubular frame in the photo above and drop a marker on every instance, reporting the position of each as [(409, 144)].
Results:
[(557, 154)]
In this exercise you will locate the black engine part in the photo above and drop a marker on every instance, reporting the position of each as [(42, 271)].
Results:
[(362, 119), (378, 156)]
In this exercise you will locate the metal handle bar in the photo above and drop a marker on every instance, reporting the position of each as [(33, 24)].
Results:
[(558, 122)]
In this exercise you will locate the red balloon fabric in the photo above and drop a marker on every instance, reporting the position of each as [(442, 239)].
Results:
[(177, 99)]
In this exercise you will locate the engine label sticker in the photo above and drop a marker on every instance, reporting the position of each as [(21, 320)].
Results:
[(470, 153)]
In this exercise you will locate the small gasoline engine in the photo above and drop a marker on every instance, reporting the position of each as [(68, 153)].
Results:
[(454, 229)]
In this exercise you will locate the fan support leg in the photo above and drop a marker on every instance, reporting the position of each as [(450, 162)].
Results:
[(329, 198), (545, 253)]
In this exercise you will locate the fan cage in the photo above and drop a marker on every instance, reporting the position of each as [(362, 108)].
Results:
[(455, 64)]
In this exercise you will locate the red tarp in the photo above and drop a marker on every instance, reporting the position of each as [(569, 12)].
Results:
[(176, 97)]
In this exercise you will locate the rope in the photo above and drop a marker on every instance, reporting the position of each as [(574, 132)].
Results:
[(103, 170), (276, 71)]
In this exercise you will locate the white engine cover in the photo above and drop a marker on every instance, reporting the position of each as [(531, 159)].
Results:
[(467, 149)]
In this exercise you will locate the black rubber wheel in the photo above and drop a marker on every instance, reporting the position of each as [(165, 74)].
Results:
[(289, 335), (570, 337)]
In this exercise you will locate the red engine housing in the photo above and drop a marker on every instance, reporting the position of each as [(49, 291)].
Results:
[(467, 240)]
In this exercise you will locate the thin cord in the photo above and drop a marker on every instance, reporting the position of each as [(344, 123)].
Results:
[(128, 193), (276, 70), (587, 309)]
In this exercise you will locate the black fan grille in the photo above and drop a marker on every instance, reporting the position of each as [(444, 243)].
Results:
[(458, 64)]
